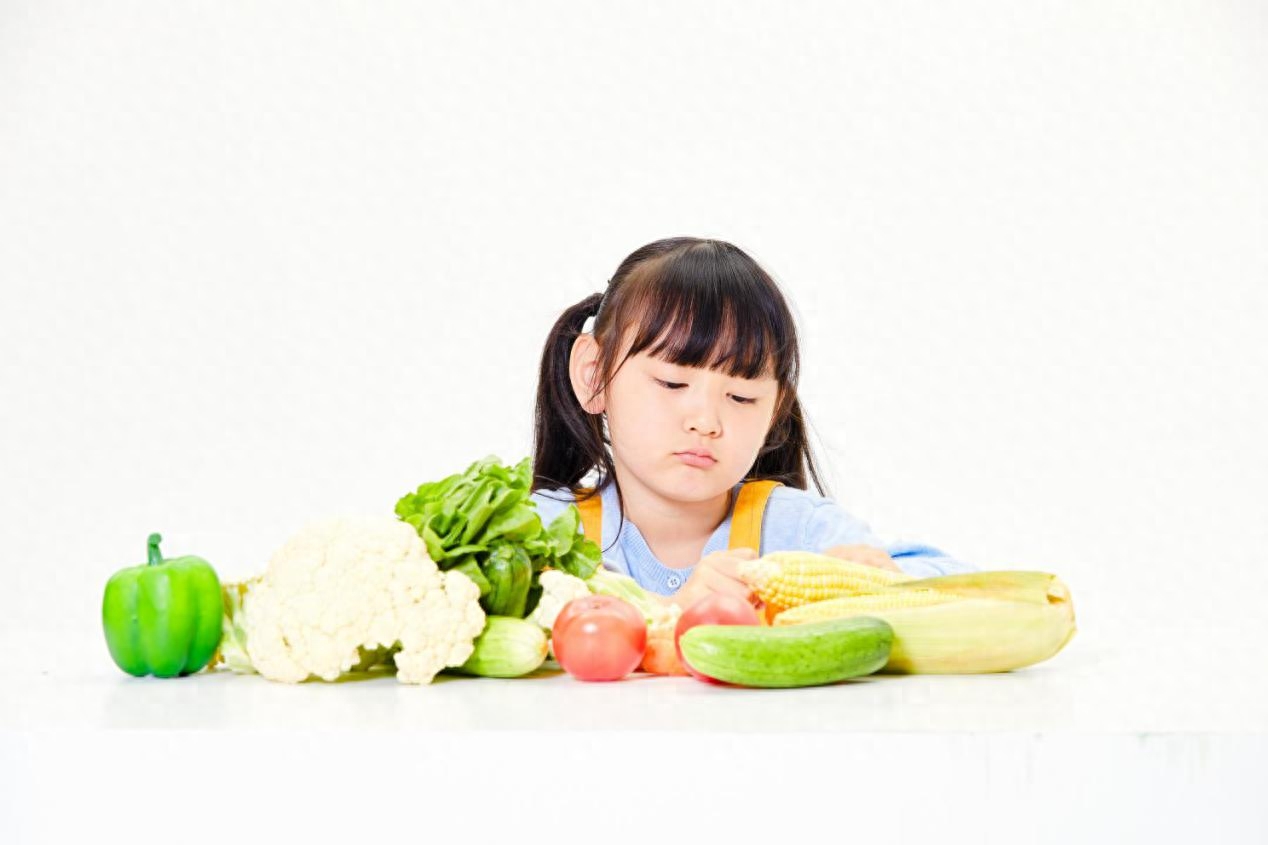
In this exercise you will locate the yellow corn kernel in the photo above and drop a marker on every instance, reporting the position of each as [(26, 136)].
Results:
[(980, 622), (866, 604), (791, 579)]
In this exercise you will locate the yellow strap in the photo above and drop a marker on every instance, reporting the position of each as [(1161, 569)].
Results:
[(591, 515), (746, 521)]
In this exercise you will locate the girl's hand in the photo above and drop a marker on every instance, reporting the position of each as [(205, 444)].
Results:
[(869, 555), (717, 572)]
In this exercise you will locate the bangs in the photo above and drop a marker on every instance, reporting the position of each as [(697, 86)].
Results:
[(722, 324)]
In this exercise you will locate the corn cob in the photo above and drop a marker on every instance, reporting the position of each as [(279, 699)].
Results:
[(790, 579), (957, 624)]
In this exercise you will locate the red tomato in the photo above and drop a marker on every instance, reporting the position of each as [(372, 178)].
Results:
[(713, 609), (576, 606), (599, 638)]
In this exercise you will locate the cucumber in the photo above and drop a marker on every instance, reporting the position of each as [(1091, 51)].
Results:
[(506, 648), (793, 656)]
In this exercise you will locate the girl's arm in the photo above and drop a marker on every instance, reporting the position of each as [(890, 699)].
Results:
[(829, 529), (869, 555)]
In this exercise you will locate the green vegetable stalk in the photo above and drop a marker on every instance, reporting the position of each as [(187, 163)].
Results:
[(483, 523), (163, 618), (507, 648)]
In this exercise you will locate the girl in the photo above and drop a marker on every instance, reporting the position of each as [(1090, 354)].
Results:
[(682, 397)]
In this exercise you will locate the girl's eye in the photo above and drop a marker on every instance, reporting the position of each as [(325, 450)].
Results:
[(674, 386)]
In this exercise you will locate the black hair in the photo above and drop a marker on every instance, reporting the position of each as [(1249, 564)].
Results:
[(692, 302)]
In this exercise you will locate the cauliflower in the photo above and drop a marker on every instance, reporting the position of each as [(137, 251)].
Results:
[(558, 588), (345, 593), (233, 636), (661, 654)]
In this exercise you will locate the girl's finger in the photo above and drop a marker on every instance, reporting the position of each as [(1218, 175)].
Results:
[(727, 566), (881, 561), (720, 583)]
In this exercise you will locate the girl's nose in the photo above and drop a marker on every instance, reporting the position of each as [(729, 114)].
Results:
[(704, 424)]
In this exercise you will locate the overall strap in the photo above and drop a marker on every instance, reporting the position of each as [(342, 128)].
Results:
[(591, 515), (746, 521)]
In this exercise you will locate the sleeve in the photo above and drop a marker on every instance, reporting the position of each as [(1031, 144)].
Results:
[(829, 525)]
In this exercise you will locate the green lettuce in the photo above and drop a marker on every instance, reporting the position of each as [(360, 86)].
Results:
[(485, 513)]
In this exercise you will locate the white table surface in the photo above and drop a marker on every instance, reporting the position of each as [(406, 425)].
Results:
[(1090, 688), (1161, 737)]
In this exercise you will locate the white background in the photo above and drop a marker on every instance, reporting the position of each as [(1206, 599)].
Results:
[(268, 262)]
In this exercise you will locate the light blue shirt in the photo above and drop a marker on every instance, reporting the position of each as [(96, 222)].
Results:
[(794, 520)]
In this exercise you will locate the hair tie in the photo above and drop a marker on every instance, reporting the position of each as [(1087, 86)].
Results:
[(598, 310), (588, 326)]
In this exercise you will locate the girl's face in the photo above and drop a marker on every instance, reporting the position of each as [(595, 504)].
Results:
[(656, 410)]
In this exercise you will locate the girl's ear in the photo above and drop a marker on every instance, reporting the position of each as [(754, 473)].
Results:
[(583, 369)]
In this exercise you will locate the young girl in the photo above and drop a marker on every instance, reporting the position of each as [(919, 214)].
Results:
[(682, 398)]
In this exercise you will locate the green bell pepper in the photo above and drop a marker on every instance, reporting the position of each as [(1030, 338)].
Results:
[(163, 617)]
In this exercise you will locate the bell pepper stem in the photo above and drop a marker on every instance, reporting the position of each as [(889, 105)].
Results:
[(155, 556)]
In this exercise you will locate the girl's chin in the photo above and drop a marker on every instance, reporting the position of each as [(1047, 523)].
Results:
[(693, 484)]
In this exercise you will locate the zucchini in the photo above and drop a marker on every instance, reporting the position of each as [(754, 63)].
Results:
[(506, 648), (792, 656)]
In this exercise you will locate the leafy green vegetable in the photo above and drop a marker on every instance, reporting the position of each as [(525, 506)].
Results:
[(474, 521)]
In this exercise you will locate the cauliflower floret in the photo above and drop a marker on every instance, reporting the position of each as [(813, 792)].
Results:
[(558, 588), (344, 587), (660, 657)]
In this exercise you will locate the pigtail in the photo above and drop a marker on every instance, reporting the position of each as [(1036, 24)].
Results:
[(567, 441)]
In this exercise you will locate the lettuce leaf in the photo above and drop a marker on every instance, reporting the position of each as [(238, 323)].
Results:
[(464, 518)]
